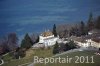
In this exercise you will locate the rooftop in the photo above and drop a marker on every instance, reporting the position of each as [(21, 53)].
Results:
[(47, 33)]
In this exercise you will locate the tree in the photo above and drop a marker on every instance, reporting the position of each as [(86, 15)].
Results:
[(64, 34), (34, 38), (98, 23), (12, 41), (9, 42), (37, 39), (70, 45), (56, 48), (54, 30), (4, 44), (26, 42), (90, 23), (82, 28), (75, 31), (19, 53), (1, 49)]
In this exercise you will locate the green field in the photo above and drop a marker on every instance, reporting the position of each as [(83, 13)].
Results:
[(96, 59), (42, 53), (28, 58)]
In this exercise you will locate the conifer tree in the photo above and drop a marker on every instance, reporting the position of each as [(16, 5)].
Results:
[(90, 23), (54, 30), (82, 28), (98, 23), (26, 42), (56, 48)]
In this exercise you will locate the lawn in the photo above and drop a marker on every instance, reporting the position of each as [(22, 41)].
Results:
[(28, 58), (96, 59), (7, 57), (42, 53)]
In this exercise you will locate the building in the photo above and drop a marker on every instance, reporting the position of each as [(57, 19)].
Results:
[(87, 41), (80, 41), (94, 31), (47, 38), (94, 42)]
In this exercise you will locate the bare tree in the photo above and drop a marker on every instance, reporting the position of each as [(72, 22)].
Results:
[(33, 38), (12, 41)]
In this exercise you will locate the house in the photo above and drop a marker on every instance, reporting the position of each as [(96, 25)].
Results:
[(94, 31), (94, 42), (63, 40), (87, 41), (94, 39), (80, 41), (47, 39)]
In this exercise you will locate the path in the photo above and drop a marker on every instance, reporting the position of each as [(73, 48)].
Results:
[(1, 61)]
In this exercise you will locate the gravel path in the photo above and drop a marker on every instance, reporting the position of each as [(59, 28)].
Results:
[(1, 61)]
